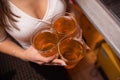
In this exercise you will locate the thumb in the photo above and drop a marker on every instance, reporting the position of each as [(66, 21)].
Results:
[(59, 62)]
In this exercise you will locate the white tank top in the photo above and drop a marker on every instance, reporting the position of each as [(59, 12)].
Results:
[(28, 24)]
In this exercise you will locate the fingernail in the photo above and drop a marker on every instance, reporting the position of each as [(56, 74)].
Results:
[(64, 64)]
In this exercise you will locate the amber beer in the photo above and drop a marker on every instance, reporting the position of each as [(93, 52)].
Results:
[(46, 43), (64, 25), (71, 51)]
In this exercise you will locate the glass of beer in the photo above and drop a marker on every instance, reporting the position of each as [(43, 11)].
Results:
[(64, 24), (71, 51), (45, 41)]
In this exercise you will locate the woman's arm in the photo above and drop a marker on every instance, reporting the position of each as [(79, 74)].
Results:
[(11, 48), (8, 46)]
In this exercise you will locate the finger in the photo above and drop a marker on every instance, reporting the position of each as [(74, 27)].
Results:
[(48, 59), (59, 62), (42, 58), (40, 63)]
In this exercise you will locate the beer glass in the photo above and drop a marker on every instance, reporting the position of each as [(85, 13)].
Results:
[(71, 51), (45, 41), (64, 24)]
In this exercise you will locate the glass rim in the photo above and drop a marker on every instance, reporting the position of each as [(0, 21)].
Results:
[(37, 33), (59, 15), (62, 57)]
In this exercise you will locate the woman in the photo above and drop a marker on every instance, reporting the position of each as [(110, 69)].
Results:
[(19, 19)]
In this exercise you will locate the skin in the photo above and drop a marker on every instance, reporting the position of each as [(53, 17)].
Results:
[(37, 10)]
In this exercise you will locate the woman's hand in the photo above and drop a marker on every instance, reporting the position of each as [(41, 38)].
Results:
[(31, 54)]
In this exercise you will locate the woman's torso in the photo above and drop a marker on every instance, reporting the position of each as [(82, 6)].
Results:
[(28, 24)]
